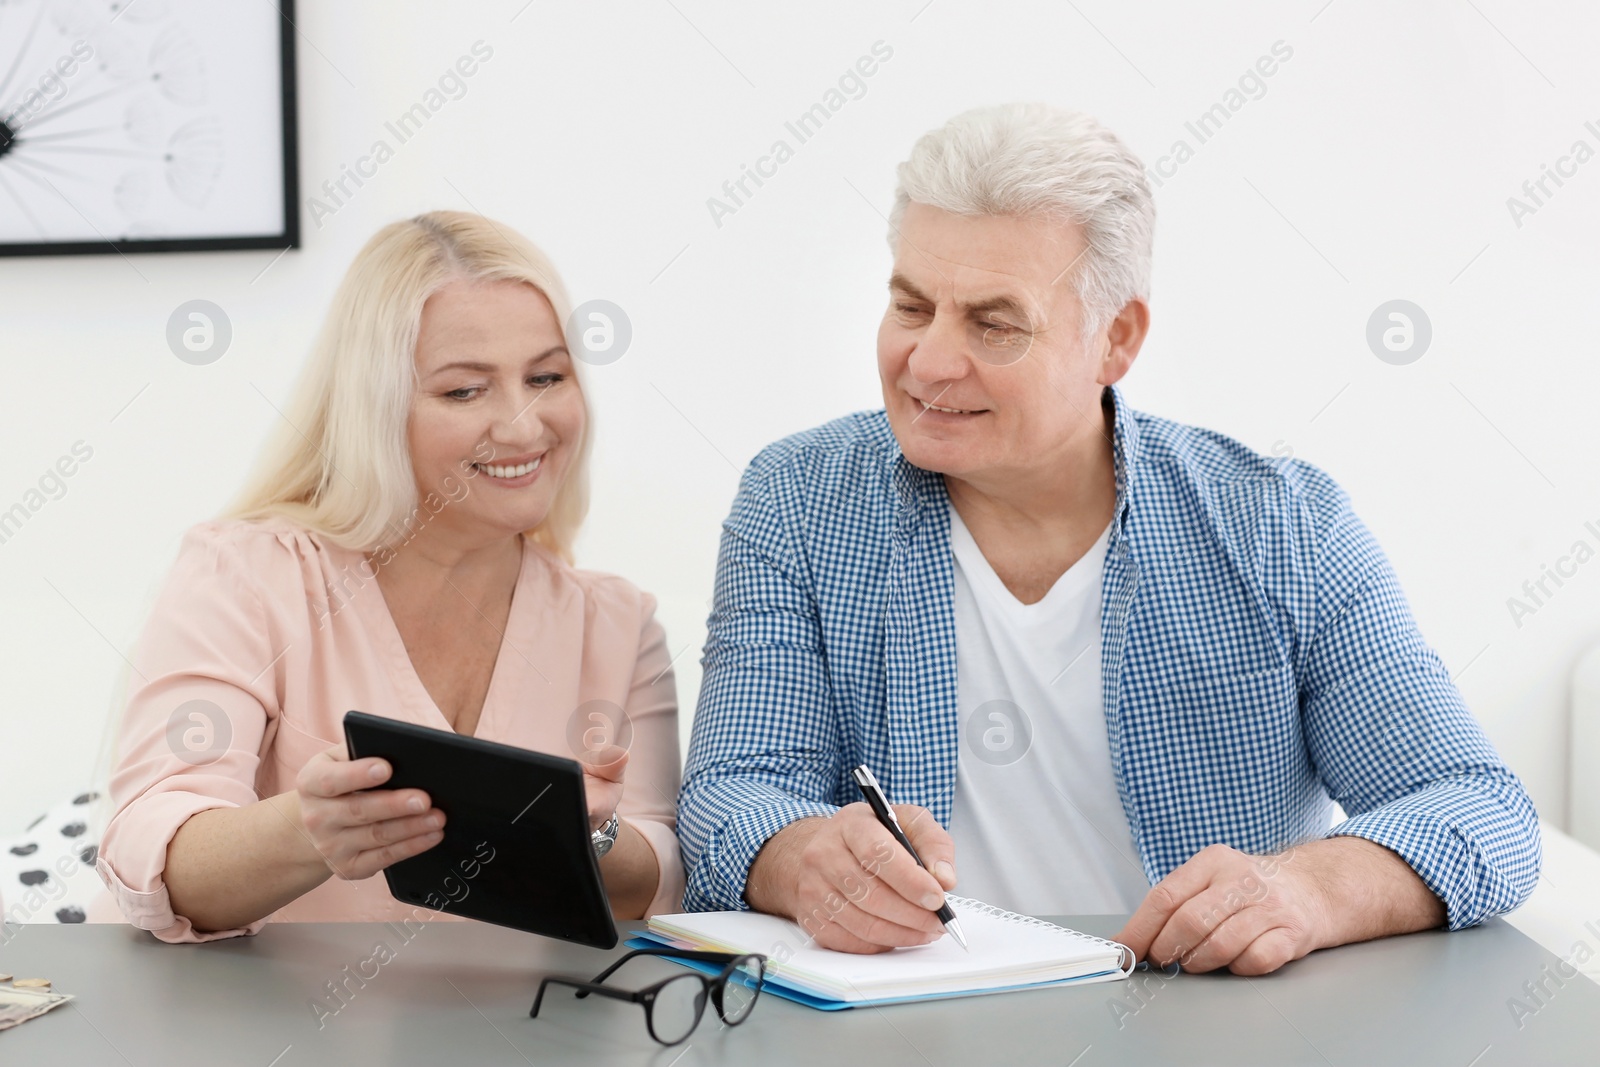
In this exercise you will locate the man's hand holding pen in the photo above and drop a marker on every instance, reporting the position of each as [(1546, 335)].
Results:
[(850, 885)]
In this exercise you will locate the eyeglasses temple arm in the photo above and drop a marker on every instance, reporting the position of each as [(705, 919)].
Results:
[(672, 953), (611, 970), (583, 988)]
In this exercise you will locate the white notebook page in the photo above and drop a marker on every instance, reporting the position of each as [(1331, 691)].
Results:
[(1007, 950)]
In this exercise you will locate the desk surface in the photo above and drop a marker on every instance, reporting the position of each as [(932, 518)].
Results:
[(459, 993)]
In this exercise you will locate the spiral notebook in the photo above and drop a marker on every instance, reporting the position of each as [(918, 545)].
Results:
[(1009, 951)]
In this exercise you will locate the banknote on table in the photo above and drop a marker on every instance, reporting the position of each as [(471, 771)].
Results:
[(20, 1005)]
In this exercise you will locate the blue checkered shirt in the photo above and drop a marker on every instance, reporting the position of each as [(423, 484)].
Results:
[(1259, 658)]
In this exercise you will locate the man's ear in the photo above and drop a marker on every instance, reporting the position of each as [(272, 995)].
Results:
[(1124, 337)]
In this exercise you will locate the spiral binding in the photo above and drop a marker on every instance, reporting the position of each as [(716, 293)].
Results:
[(980, 908)]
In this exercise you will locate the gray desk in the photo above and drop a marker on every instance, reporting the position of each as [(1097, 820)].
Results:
[(459, 993)]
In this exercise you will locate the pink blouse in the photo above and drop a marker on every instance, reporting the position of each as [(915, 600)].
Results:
[(284, 633)]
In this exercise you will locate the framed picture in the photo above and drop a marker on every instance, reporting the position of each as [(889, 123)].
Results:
[(147, 126)]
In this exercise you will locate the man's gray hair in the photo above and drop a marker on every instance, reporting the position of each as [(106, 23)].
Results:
[(1048, 162)]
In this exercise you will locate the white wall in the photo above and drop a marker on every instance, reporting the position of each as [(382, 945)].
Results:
[(1376, 165)]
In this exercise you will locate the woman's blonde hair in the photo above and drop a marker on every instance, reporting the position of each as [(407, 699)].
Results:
[(340, 464)]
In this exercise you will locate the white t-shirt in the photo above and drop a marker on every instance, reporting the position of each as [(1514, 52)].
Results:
[(1037, 822)]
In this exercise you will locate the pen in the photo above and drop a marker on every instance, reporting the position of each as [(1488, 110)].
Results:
[(880, 807)]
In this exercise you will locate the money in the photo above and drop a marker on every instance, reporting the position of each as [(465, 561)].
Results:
[(20, 1005)]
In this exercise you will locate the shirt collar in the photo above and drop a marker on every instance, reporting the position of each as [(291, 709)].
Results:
[(1125, 454)]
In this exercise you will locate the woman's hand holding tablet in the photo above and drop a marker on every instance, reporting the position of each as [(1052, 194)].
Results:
[(357, 828), (602, 782)]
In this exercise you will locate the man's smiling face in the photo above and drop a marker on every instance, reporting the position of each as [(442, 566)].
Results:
[(979, 352)]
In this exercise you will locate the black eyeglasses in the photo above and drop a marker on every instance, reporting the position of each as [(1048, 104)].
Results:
[(672, 1007)]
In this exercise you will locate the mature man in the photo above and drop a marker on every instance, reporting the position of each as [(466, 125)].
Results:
[(1106, 650)]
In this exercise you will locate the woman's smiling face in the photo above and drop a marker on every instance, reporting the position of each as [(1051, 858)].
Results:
[(497, 405)]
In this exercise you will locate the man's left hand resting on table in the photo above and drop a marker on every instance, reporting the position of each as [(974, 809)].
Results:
[(1253, 914)]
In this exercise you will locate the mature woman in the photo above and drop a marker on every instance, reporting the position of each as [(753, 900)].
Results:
[(405, 549)]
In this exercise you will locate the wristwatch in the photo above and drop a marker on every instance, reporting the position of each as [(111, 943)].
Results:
[(606, 836)]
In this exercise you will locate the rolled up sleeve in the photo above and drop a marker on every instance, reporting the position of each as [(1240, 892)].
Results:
[(201, 697), (765, 749), (1397, 747)]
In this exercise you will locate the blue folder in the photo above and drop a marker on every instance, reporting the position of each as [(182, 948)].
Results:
[(779, 988)]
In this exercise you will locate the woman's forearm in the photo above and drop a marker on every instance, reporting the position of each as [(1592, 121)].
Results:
[(631, 873), (228, 867)]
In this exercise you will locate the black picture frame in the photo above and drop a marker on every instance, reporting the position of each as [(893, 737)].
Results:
[(289, 237)]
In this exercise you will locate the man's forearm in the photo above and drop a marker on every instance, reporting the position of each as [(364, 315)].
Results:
[(770, 884), (1372, 891)]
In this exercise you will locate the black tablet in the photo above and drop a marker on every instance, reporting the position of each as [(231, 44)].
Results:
[(516, 850)]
